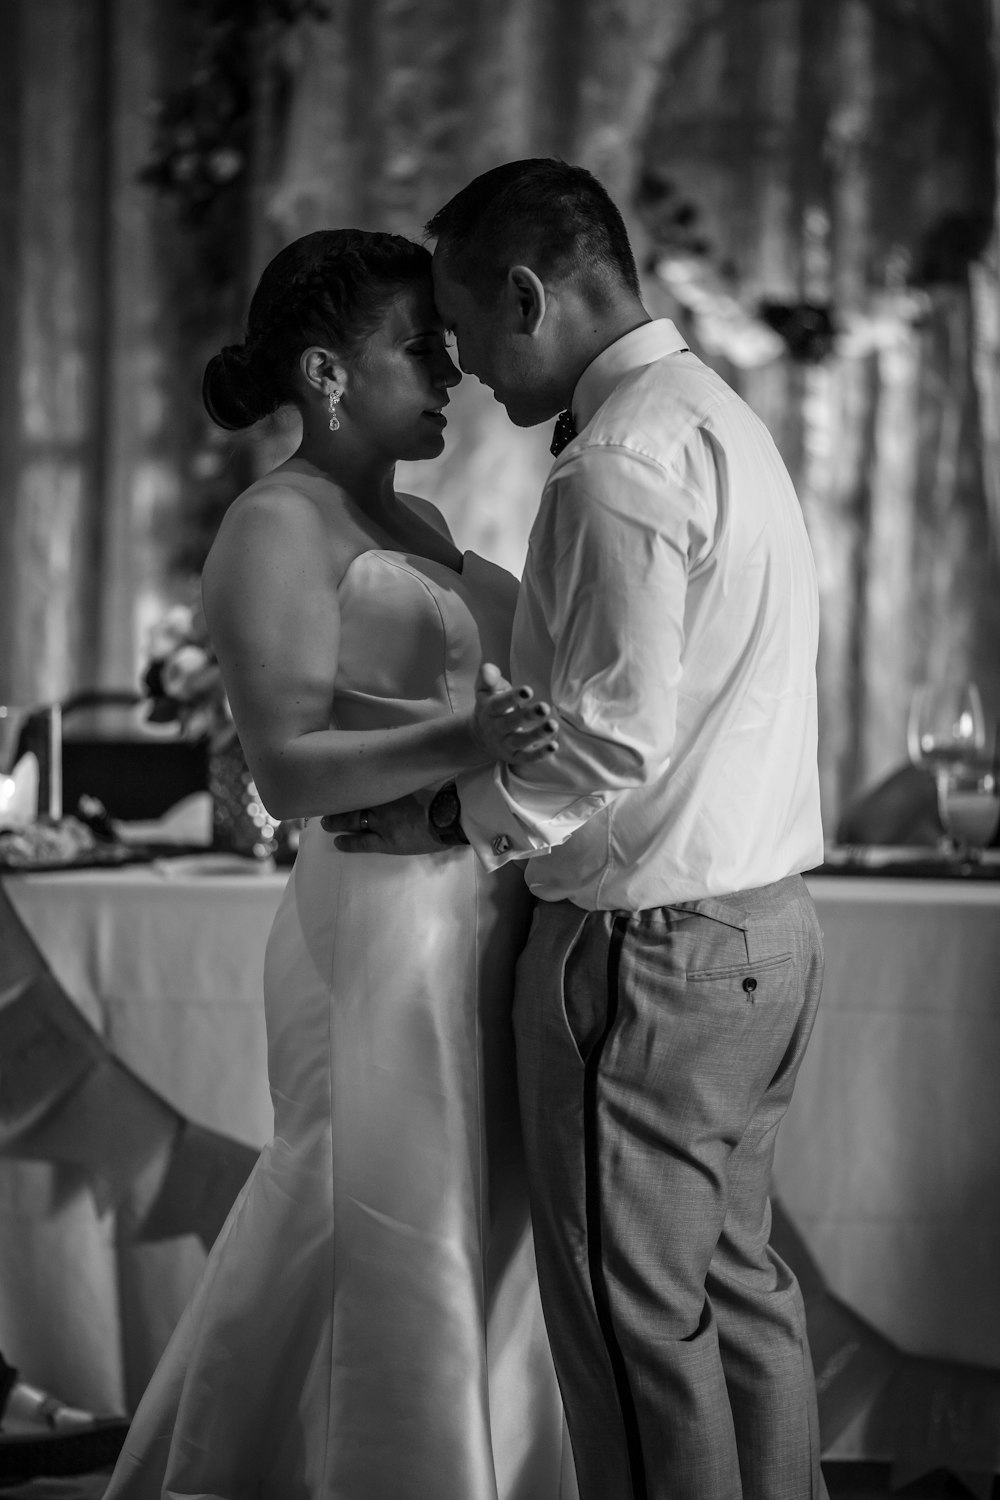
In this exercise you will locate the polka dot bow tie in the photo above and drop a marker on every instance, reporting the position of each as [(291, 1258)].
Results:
[(565, 432)]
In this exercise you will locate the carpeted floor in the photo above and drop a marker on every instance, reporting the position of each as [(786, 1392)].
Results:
[(845, 1482), (871, 1482), (81, 1487)]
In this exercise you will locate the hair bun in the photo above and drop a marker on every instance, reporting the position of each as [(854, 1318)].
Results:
[(232, 390)]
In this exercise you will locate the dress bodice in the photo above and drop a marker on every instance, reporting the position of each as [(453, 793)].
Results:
[(413, 632)]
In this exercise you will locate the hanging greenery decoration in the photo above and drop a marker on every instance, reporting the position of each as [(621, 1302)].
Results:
[(807, 329), (682, 259), (202, 129), (211, 139)]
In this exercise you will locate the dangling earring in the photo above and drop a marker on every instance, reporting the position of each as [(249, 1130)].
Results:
[(335, 394)]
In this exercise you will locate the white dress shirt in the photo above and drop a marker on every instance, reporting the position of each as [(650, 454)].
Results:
[(669, 612)]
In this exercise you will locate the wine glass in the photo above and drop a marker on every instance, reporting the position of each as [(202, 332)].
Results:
[(969, 805), (946, 725)]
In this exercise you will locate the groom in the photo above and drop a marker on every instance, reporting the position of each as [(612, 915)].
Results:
[(668, 610)]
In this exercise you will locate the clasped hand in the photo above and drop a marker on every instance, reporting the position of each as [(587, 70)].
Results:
[(507, 724)]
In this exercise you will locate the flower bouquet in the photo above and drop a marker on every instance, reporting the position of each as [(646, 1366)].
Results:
[(183, 681)]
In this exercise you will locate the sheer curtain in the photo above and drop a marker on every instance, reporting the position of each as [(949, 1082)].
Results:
[(841, 155), (842, 159), (88, 463)]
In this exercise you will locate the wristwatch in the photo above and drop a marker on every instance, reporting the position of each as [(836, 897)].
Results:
[(445, 816)]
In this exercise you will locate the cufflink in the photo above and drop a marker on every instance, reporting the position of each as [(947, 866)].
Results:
[(500, 844)]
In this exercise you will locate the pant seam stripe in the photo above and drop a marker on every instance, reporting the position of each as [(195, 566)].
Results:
[(592, 1180)]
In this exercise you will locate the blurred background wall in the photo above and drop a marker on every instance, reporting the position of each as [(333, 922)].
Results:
[(811, 186)]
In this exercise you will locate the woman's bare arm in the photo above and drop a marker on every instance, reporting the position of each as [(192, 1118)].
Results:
[(270, 597)]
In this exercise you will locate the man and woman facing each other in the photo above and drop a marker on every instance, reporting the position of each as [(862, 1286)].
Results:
[(369, 1323)]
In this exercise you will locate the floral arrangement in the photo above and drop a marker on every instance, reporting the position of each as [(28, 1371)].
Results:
[(183, 679), (199, 153)]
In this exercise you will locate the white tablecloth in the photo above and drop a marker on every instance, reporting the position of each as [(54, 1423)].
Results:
[(168, 969), (889, 1160)]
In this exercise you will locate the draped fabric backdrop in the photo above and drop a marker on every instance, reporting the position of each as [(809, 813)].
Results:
[(94, 372), (811, 190)]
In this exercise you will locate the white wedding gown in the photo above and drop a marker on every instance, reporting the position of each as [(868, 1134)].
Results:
[(368, 1325)]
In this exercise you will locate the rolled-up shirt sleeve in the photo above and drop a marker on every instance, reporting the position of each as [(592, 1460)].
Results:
[(599, 631)]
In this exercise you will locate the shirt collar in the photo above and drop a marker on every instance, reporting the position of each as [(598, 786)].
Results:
[(643, 346)]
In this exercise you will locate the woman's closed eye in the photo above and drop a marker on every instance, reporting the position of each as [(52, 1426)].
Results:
[(429, 347)]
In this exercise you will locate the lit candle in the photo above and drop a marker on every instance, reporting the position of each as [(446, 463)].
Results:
[(55, 762)]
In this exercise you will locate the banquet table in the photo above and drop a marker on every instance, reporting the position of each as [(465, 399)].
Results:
[(888, 1162), (167, 968), (889, 1158)]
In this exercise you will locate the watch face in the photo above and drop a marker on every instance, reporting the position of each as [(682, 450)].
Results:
[(444, 809)]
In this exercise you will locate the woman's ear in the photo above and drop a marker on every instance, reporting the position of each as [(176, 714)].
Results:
[(319, 366), (526, 296)]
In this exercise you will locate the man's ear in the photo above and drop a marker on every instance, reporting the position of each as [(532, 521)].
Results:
[(318, 365), (527, 297)]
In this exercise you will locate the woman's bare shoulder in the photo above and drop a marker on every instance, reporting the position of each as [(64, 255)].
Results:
[(276, 523), (270, 501)]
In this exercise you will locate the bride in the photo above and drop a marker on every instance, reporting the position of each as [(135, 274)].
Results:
[(368, 1325)]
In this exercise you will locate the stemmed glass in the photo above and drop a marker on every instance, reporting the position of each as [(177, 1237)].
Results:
[(969, 805), (946, 725), (946, 734)]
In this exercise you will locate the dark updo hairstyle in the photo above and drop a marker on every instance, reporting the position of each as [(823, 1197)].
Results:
[(328, 288)]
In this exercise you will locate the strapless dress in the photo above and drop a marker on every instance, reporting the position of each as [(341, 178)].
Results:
[(368, 1325)]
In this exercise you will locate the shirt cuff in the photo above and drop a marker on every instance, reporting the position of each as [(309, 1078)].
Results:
[(500, 828)]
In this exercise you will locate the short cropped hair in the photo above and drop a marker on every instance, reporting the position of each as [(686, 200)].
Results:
[(544, 213)]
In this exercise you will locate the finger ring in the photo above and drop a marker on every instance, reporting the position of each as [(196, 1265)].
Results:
[(363, 820)]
